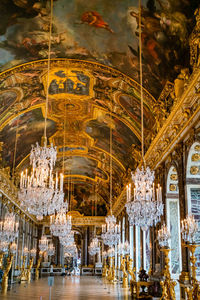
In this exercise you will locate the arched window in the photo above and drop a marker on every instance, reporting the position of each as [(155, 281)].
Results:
[(173, 221), (193, 191)]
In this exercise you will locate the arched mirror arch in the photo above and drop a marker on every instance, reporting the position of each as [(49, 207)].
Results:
[(173, 221), (193, 192)]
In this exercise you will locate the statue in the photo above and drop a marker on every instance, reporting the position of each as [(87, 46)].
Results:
[(179, 82), (29, 270), (194, 41), (131, 270), (125, 275)]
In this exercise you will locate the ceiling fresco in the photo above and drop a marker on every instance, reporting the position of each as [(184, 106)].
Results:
[(102, 31), (93, 86)]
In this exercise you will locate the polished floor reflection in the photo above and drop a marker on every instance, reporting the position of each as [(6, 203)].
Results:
[(73, 288)]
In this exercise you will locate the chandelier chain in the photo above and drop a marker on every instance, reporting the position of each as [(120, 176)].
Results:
[(48, 71), (141, 80)]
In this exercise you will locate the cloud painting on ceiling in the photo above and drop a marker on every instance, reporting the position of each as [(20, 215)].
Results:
[(101, 30), (30, 129)]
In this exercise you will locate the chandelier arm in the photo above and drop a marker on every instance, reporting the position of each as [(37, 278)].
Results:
[(48, 71)]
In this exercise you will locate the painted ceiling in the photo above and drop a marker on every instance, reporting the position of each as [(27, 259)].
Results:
[(93, 86)]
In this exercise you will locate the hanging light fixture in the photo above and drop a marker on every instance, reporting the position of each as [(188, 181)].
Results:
[(164, 236), (189, 227), (60, 225), (4, 246), (94, 247), (33, 252), (68, 239), (8, 228), (110, 230), (39, 191), (124, 248), (43, 243), (145, 208)]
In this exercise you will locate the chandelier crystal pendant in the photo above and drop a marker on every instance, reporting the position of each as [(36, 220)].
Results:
[(110, 231), (146, 207), (61, 225), (43, 244), (8, 228)]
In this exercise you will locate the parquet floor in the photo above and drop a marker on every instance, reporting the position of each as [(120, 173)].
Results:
[(73, 288)]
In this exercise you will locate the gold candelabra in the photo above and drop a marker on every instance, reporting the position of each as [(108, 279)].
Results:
[(109, 274), (104, 272), (193, 292), (168, 292), (4, 285), (125, 275), (1, 260)]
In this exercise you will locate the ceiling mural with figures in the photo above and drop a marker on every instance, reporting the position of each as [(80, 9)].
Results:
[(93, 86), (102, 31)]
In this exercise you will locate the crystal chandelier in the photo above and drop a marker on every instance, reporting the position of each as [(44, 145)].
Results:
[(61, 225), (68, 239), (8, 228), (4, 246), (51, 249), (189, 227), (145, 208), (43, 243), (164, 236), (94, 247), (33, 252), (25, 251), (39, 192), (110, 231), (124, 248), (13, 248)]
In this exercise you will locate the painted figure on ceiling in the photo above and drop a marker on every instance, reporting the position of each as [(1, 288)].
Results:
[(93, 18)]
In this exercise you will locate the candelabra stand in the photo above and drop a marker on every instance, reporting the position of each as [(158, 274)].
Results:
[(168, 292), (104, 271), (125, 275), (4, 285), (193, 292), (37, 268), (109, 275), (29, 269), (1, 260)]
